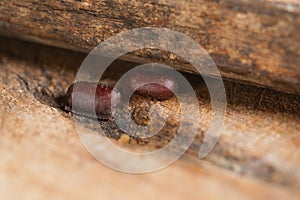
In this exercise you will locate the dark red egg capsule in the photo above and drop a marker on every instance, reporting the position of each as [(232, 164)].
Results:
[(153, 85), (105, 96)]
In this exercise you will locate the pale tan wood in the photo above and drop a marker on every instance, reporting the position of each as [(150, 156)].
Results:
[(41, 155)]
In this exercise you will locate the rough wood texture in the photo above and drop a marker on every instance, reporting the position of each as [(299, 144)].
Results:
[(252, 41), (257, 157)]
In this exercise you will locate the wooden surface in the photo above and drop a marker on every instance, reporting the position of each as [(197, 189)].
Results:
[(251, 41), (257, 157)]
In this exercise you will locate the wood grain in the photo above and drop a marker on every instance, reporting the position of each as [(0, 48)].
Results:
[(257, 156), (254, 42)]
